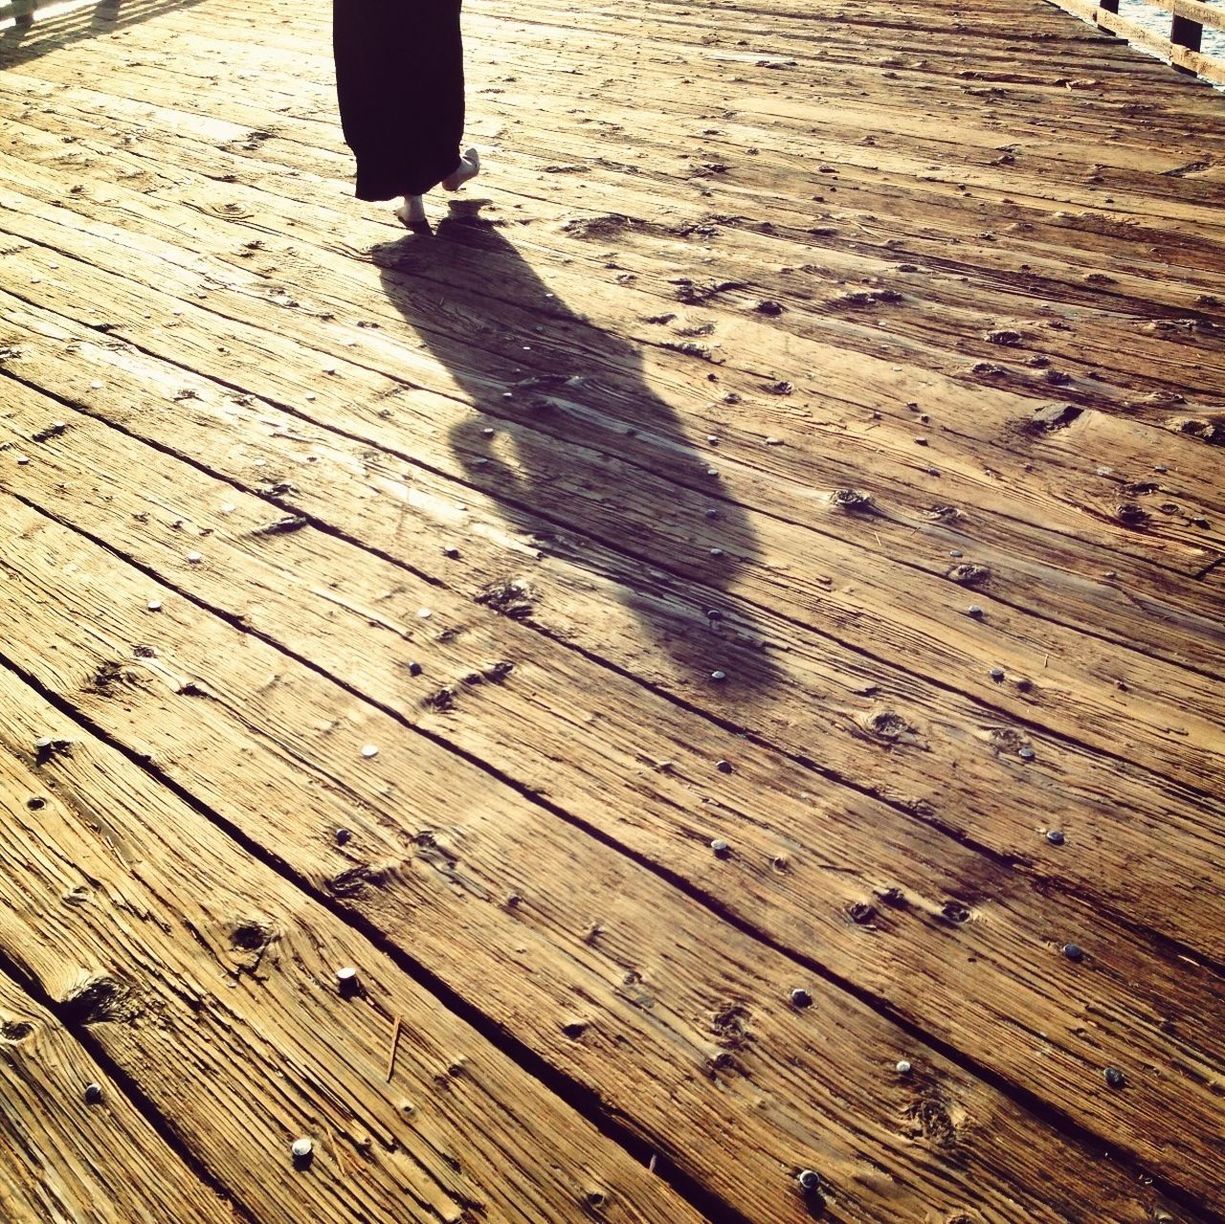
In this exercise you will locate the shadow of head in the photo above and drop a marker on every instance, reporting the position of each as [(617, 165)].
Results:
[(561, 428)]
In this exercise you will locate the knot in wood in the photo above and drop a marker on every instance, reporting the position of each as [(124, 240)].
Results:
[(852, 500), (101, 999), (250, 935), (969, 575), (932, 1121)]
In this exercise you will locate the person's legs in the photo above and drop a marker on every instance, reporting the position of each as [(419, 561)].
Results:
[(400, 85)]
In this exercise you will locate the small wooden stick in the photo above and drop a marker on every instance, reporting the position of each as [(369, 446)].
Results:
[(395, 1042)]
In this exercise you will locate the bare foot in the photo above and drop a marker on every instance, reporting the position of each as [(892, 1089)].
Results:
[(469, 167), (412, 212)]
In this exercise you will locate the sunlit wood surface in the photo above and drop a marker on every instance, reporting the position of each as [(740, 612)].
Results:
[(723, 635)]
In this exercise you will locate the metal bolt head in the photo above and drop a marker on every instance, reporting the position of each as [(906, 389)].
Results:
[(721, 848), (1074, 952), (808, 1181), (800, 997), (1055, 837), (346, 980), (93, 1094), (1114, 1077), (302, 1149), (903, 1067)]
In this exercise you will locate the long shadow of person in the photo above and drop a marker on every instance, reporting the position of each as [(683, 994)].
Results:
[(577, 449)]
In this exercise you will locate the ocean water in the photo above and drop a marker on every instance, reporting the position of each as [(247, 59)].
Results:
[(1149, 17)]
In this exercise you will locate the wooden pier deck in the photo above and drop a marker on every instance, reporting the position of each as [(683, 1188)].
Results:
[(724, 636)]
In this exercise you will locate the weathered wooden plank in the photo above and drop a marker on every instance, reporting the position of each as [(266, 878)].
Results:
[(997, 540), (1158, 526), (1169, 713), (569, 946), (317, 597), (210, 982), (859, 67), (815, 700), (73, 1148)]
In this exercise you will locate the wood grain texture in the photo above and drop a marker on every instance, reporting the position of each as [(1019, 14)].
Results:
[(354, 616), (210, 982), (570, 946), (1110, 798), (781, 336), (66, 1159)]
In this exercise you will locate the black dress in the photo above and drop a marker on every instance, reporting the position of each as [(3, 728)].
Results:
[(400, 85)]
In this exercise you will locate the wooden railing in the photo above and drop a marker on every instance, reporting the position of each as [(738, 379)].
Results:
[(1183, 46), (22, 11)]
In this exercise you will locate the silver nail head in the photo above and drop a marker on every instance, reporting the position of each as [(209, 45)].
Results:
[(720, 847), (800, 997), (93, 1094), (1026, 753), (975, 611), (1073, 952), (996, 674), (1055, 837), (718, 676), (903, 1067), (346, 979), (369, 751), (808, 1181), (154, 605), (1115, 1078), (194, 558), (302, 1149)]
